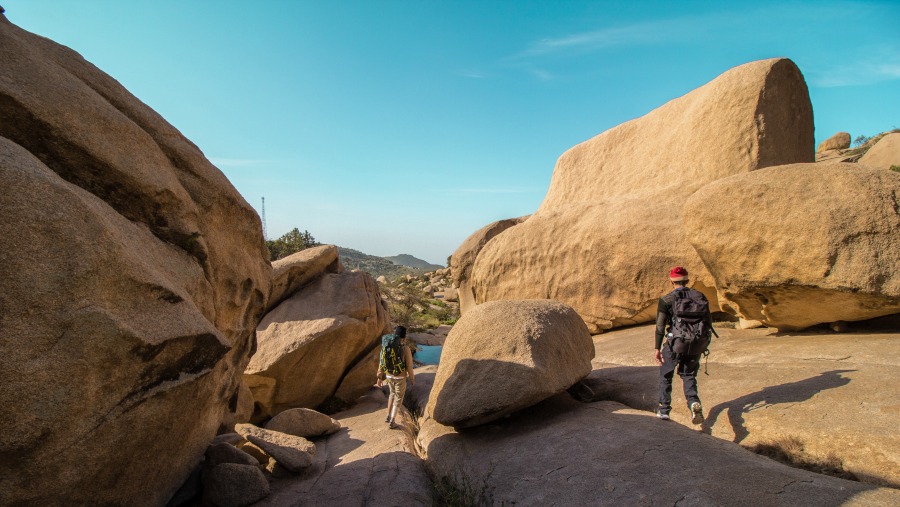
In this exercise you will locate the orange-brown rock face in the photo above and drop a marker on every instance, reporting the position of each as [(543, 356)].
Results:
[(611, 225), (802, 244), (133, 279)]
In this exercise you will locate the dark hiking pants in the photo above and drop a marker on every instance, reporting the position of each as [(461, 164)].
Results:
[(687, 367)]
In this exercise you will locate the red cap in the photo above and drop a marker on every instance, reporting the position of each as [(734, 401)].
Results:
[(678, 274)]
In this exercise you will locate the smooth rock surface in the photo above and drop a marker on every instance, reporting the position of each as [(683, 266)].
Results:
[(360, 378), (503, 356), (562, 452), (610, 226), (134, 275), (303, 422), (365, 463), (884, 154), (836, 394), (463, 258), (292, 452), (802, 244), (307, 343)]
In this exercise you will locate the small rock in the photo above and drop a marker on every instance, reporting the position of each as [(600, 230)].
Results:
[(303, 422), (234, 485)]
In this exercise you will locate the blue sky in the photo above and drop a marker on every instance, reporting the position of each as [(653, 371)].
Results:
[(404, 126)]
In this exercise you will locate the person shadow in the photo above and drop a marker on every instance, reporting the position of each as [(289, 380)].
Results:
[(791, 392)]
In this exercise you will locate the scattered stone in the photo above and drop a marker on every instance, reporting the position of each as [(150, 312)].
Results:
[(303, 422), (292, 452), (503, 356)]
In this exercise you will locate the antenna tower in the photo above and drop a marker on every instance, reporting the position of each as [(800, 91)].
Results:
[(265, 234)]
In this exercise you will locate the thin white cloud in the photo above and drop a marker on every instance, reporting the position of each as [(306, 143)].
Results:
[(239, 162), (473, 74), (885, 67), (641, 33)]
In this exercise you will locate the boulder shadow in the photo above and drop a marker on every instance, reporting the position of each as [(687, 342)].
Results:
[(790, 392)]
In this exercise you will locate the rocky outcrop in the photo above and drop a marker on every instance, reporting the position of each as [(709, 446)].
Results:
[(829, 399), (611, 224), (839, 141), (884, 154), (464, 257), (308, 342), (291, 273), (802, 244), (503, 356), (562, 452), (134, 275), (365, 463)]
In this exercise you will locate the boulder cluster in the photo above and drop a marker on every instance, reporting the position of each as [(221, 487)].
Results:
[(319, 338), (722, 181), (151, 354)]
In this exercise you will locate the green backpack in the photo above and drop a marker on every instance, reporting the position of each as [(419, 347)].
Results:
[(392, 356)]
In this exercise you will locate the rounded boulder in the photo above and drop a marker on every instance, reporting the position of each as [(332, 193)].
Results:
[(503, 356)]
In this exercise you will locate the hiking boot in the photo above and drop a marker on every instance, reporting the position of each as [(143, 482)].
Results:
[(393, 426), (697, 412), (662, 413)]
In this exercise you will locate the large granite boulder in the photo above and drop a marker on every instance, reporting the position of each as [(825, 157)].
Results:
[(828, 400), (294, 271), (802, 244), (365, 463), (611, 225), (360, 377), (134, 276), (562, 452), (464, 257), (884, 154), (308, 342), (839, 141), (503, 356)]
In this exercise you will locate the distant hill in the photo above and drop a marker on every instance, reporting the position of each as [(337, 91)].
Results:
[(413, 262), (378, 266)]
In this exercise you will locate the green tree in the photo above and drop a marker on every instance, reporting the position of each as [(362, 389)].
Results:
[(290, 243), (861, 140)]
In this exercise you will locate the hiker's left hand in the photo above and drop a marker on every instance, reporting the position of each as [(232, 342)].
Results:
[(658, 356)]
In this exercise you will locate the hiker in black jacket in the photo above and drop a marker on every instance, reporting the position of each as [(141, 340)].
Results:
[(666, 353)]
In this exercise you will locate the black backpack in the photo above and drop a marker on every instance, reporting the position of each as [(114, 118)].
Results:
[(690, 332), (392, 356)]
